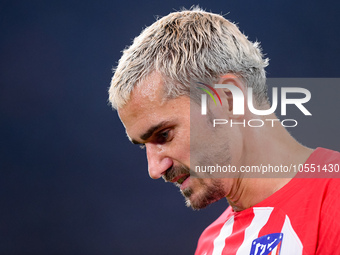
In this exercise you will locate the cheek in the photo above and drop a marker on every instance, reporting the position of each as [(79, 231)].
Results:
[(196, 184), (182, 150), (235, 143), (204, 144)]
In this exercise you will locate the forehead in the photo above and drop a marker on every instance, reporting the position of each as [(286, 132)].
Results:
[(144, 99), (151, 89), (147, 106)]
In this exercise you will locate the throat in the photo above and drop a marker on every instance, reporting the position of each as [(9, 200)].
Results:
[(254, 192)]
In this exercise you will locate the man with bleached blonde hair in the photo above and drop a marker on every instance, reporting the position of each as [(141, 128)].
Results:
[(156, 89)]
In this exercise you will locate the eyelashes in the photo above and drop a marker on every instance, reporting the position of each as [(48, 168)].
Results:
[(161, 137)]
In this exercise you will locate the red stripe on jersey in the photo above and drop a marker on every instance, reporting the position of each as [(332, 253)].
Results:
[(278, 248), (212, 234), (233, 243), (274, 223), (205, 243)]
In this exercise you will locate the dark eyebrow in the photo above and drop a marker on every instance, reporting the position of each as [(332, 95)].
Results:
[(150, 132)]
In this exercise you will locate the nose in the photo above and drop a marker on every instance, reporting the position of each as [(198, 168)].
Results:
[(158, 162)]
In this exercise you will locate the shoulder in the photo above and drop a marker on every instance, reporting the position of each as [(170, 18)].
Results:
[(206, 240), (322, 163), (329, 228), (325, 156)]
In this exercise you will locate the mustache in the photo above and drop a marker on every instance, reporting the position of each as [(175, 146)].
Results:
[(174, 171)]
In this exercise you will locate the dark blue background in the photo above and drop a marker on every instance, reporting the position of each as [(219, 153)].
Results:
[(70, 182)]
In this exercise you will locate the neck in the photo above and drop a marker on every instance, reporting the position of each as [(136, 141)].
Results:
[(265, 146)]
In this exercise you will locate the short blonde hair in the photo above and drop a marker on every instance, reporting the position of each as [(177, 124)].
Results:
[(187, 47)]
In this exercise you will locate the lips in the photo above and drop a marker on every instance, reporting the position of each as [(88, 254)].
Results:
[(180, 178), (177, 174)]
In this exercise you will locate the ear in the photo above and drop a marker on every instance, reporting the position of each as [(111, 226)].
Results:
[(236, 90)]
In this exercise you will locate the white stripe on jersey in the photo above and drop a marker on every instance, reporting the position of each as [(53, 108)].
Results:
[(291, 244), (252, 231), (225, 232)]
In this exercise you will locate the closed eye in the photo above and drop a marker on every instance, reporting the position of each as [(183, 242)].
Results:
[(164, 136), (161, 137)]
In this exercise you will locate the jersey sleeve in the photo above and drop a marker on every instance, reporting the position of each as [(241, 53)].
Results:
[(329, 228)]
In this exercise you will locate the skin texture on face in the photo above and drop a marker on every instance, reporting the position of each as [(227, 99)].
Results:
[(176, 137), (163, 126)]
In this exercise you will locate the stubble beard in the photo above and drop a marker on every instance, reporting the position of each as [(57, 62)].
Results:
[(204, 192), (207, 194)]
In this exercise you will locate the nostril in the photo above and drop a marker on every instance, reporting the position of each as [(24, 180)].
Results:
[(167, 175), (158, 167)]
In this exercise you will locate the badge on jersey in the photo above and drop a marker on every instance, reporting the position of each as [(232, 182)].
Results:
[(267, 245)]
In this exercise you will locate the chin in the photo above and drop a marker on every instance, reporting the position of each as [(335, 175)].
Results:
[(202, 198)]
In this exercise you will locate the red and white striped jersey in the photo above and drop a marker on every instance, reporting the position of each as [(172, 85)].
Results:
[(302, 218)]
